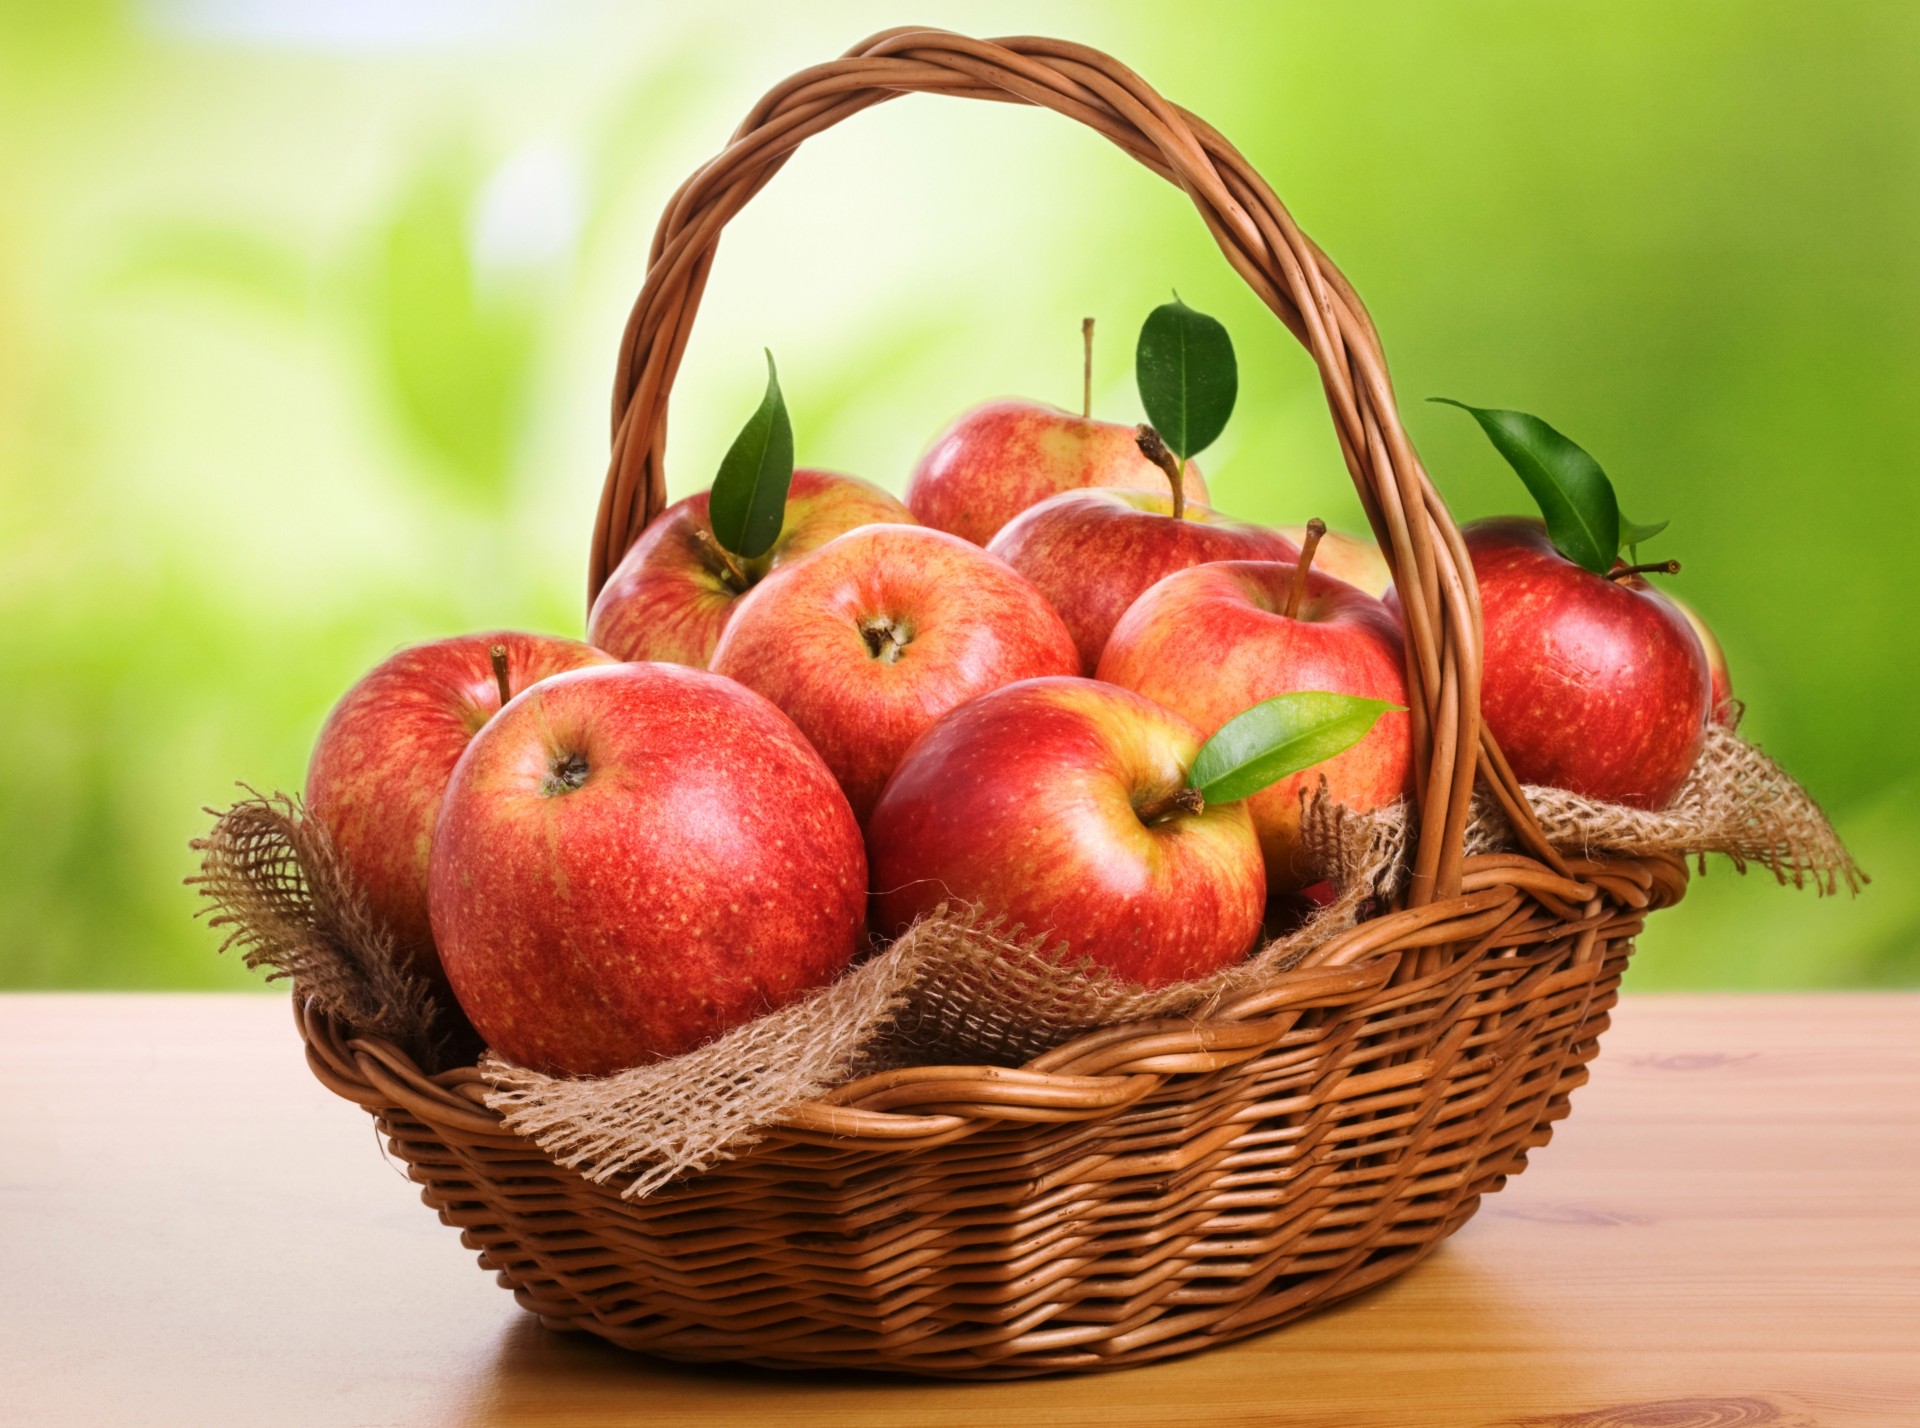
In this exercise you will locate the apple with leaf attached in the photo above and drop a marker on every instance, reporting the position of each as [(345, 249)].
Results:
[(673, 592), (1000, 458), (1214, 640), (1098, 821), (1092, 552), (1592, 680)]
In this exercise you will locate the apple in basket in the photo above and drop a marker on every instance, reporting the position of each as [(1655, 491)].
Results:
[(380, 766), (1002, 457), (1093, 818), (1092, 552), (1593, 681), (1214, 640), (633, 859), (875, 635), (675, 589)]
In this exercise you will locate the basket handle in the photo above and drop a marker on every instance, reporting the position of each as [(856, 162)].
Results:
[(1280, 263)]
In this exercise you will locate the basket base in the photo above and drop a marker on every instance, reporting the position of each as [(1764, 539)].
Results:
[(1283, 1307)]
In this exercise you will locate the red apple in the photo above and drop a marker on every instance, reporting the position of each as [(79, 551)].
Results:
[(1591, 684), (878, 633), (673, 593), (380, 766), (1000, 458), (1047, 801), (1352, 558), (632, 860), (1092, 553), (1215, 640), (1721, 691)]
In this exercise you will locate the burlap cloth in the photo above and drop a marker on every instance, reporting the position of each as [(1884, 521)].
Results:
[(958, 988)]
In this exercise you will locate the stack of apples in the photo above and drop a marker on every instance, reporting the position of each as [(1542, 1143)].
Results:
[(1052, 683)]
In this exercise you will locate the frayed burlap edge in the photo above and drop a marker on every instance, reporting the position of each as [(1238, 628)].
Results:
[(273, 882), (1737, 802)]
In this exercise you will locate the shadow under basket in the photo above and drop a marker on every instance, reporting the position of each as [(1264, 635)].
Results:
[(1146, 1189)]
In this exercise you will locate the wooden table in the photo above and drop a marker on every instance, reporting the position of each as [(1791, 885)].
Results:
[(1726, 1232)]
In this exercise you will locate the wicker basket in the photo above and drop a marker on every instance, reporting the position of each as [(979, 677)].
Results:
[(1147, 1189)]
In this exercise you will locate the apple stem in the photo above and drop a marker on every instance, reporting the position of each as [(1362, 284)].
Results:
[(498, 654), (1086, 369), (1155, 449), (1181, 800), (1658, 567), (734, 573), (1315, 529)]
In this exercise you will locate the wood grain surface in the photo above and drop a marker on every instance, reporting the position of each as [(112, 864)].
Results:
[(1726, 1232)]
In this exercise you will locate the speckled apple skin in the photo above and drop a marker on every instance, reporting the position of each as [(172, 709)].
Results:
[(668, 600), (706, 871), (1092, 553), (1023, 802), (998, 459), (1211, 642), (380, 766), (975, 625), (1593, 685)]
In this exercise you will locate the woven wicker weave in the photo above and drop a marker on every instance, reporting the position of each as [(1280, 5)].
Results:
[(1147, 1189)]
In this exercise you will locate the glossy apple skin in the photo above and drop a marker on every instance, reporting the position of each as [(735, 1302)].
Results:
[(1720, 689), (670, 598), (1355, 559), (1594, 685), (1092, 553), (380, 766), (1024, 802), (706, 869), (1211, 642), (970, 624), (998, 459)]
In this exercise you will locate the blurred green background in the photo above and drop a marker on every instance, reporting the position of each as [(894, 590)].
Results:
[(308, 315)]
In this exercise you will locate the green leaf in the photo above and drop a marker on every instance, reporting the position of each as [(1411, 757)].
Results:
[(749, 499), (1281, 736), (1632, 532), (1573, 493), (1188, 378)]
